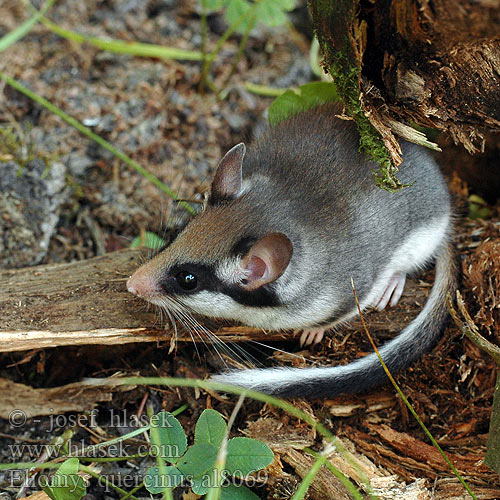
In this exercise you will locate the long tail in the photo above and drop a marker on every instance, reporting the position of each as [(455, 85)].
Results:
[(416, 339)]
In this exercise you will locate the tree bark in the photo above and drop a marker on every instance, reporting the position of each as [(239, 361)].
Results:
[(435, 63)]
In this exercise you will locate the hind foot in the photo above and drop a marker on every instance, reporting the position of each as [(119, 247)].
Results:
[(311, 336), (392, 291)]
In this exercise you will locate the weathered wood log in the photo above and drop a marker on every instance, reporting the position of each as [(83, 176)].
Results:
[(86, 302)]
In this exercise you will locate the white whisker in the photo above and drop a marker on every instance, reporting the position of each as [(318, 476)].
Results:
[(288, 353)]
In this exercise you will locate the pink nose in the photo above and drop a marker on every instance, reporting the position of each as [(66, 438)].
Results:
[(142, 286), (132, 286)]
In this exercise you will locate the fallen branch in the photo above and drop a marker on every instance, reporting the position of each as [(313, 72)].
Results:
[(86, 302)]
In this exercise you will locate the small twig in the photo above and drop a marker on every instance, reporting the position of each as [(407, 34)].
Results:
[(95, 232), (469, 328), (44, 458), (22, 439), (142, 404)]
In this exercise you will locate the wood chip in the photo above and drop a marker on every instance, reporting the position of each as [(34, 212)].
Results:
[(20, 402)]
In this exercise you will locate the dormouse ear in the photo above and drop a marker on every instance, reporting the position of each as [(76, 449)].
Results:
[(228, 177), (266, 261)]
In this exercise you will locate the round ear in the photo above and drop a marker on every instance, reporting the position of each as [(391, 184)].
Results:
[(266, 260), (227, 181)]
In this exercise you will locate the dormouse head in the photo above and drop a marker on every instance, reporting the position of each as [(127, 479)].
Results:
[(229, 259)]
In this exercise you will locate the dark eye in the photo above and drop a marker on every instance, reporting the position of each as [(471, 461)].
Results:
[(187, 281)]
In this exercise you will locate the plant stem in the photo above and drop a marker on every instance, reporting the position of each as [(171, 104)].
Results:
[(124, 47), (204, 41), (306, 482), (258, 396), (214, 492), (17, 33), (338, 474), (131, 492), (204, 31), (97, 476), (264, 90), (162, 472), (111, 459), (405, 400), (241, 48), (207, 63)]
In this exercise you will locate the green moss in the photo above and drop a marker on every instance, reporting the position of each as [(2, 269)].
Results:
[(346, 77), (333, 22), (16, 145)]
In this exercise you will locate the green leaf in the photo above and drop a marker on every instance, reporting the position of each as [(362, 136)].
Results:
[(245, 455), (200, 484), (287, 4), (173, 442), (271, 13), (309, 96), (66, 484), (214, 4), (286, 105), (478, 208), (151, 241), (235, 9), (316, 93), (233, 492), (155, 483), (198, 459), (210, 428)]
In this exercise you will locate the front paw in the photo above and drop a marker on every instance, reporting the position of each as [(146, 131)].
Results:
[(311, 336)]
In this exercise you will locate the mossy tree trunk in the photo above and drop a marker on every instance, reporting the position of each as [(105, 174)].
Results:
[(435, 63)]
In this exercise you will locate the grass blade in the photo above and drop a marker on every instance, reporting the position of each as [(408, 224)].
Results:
[(258, 396), (301, 491), (124, 47), (155, 440), (405, 400), (265, 90), (17, 33), (338, 474), (99, 140)]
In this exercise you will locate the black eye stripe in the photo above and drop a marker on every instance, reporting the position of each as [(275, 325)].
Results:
[(205, 278), (188, 278), (243, 246)]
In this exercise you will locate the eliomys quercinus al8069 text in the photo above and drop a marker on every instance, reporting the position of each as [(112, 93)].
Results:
[(289, 222)]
